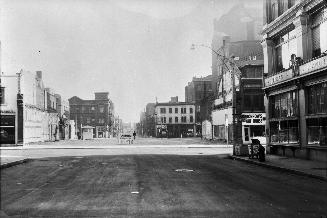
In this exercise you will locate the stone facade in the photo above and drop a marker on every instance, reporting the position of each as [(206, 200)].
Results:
[(295, 49), (175, 119)]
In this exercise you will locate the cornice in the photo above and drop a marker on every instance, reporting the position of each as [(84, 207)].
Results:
[(287, 17)]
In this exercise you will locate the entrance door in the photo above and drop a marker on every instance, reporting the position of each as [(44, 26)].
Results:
[(246, 135)]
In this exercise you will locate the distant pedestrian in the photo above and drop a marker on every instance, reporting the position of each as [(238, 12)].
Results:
[(134, 134)]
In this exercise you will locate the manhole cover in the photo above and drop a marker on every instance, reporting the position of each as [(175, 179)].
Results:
[(184, 170)]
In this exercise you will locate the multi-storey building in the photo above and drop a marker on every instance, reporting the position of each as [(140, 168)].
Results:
[(199, 92), (25, 115), (175, 119), (295, 85), (248, 102), (97, 113)]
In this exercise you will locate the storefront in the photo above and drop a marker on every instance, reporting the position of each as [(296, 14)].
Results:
[(7, 128), (253, 127), (316, 118)]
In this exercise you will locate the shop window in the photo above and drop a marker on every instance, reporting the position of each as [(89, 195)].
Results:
[(317, 131), (283, 105), (285, 131), (317, 99)]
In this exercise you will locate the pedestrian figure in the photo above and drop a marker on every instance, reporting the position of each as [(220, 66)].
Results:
[(134, 134), (261, 152)]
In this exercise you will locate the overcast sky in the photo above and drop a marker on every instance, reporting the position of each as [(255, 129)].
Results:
[(134, 49)]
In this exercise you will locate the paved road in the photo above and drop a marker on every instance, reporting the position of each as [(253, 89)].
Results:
[(148, 185)]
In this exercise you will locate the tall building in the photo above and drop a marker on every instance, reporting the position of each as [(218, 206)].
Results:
[(295, 84), (240, 23), (249, 116), (175, 119), (97, 113), (199, 92)]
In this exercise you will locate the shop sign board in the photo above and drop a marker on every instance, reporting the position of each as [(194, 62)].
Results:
[(253, 119), (282, 76), (313, 65)]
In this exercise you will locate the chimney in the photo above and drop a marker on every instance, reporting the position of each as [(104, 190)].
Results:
[(39, 74), (174, 99)]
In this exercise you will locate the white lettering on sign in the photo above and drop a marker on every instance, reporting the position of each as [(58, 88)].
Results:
[(313, 65)]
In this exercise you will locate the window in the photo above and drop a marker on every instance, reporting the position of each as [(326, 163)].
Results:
[(191, 119), (83, 109), (163, 119), (92, 108), (170, 110), (101, 120), (253, 72), (285, 131), (284, 105), (176, 110), (317, 99), (2, 95), (183, 110), (319, 31), (286, 45), (191, 110), (162, 110), (183, 119), (176, 119), (253, 99), (317, 131), (88, 120), (101, 108), (170, 119)]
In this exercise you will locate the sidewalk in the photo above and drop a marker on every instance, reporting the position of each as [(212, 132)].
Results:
[(314, 169)]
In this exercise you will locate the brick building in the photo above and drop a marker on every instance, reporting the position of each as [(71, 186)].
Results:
[(98, 113), (199, 92), (295, 85), (249, 106)]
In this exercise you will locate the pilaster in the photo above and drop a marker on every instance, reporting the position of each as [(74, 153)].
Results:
[(268, 49), (302, 105), (303, 35)]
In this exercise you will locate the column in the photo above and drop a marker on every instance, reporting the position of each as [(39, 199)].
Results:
[(303, 36), (302, 111)]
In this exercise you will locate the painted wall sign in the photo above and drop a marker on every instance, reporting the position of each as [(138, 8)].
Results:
[(313, 65), (282, 76)]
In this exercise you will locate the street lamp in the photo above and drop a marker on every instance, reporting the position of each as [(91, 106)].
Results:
[(232, 68)]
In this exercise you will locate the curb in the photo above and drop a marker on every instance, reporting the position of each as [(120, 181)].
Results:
[(14, 163), (297, 172)]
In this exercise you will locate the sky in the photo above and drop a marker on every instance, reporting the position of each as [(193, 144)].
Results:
[(136, 50)]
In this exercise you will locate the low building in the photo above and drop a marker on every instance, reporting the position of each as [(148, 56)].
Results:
[(175, 119), (97, 113), (295, 84)]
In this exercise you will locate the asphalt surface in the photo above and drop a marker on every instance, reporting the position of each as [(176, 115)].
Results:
[(148, 185)]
